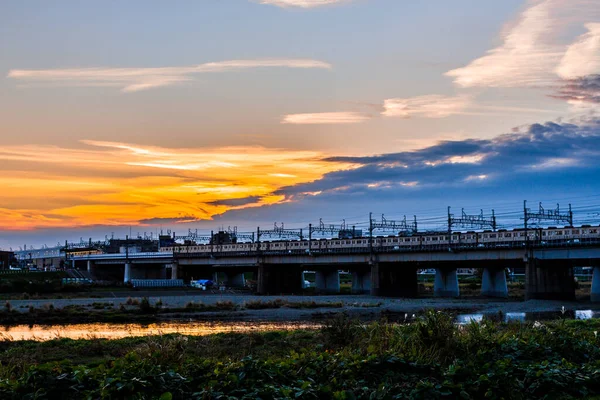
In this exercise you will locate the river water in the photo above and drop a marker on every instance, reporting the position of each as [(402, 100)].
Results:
[(119, 331)]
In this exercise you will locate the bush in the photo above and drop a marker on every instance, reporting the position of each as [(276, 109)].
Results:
[(146, 307)]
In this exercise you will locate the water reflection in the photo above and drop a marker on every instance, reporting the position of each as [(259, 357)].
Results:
[(586, 314), (515, 316), (468, 318), (119, 331), (462, 319)]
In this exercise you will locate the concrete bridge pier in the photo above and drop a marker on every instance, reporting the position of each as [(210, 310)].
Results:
[(361, 282), (493, 282), (595, 293), (127, 273), (174, 270), (394, 280), (327, 281), (549, 280), (446, 282), (279, 279), (91, 268)]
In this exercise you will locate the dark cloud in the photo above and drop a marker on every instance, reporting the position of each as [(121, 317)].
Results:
[(543, 148), (236, 202), (586, 89)]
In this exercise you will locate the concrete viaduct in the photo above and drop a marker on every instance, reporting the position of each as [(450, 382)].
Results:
[(549, 270)]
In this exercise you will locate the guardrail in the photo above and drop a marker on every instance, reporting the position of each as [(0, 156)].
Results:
[(19, 271)]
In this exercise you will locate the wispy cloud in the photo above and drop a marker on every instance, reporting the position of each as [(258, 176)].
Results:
[(137, 79), (301, 3), (582, 58), (531, 48), (344, 117), (431, 106)]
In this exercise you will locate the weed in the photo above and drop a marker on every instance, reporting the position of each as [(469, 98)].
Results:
[(132, 302), (225, 305), (146, 307)]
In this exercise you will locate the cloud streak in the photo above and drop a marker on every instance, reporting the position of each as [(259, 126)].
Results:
[(344, 117), (431, 106), (301, 3), (138, 79)]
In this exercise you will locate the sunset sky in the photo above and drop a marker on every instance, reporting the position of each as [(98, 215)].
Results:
[(145, 115)]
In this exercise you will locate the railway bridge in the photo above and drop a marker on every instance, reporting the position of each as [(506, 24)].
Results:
[(380, 272)]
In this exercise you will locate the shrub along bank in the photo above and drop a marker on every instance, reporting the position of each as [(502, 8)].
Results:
[(429, 359)]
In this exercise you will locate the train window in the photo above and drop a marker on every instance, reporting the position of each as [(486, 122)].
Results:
[(428, 239), (559, 232), (521, 234), (575, 232), (407, 240), (296, 244), (593, 230), (492, 235), (434, 238)]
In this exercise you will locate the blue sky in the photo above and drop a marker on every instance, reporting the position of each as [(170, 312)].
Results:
[(245, 112)]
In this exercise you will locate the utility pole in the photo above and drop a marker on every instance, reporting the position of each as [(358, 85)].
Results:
[(258, 239), (309, 238), (371, 236)]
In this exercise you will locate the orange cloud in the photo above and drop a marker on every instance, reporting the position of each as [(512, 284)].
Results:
[(108, 183)]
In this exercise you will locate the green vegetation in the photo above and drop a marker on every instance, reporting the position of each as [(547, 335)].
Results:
[(429, 359), (31, 283)]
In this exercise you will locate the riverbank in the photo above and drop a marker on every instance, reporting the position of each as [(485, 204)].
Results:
[(243, 307), (430, 358)]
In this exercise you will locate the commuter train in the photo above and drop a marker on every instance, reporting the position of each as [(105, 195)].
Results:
[(415, 242)]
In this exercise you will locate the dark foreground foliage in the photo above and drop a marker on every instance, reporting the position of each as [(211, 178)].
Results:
[(429, 359)]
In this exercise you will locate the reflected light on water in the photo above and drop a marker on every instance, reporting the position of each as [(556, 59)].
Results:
[(468, 318), (584, 314), (515, 316), (119, 331)]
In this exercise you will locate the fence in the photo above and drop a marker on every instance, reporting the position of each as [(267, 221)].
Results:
[(79, 281), (157, 282)]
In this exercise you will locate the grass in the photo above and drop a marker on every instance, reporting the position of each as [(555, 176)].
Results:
[(429, 359)]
